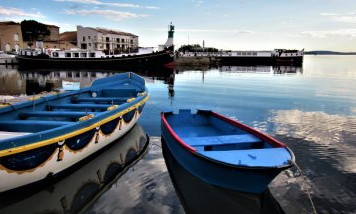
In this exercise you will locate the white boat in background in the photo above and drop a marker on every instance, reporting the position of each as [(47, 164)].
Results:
[(70, 86), (7, 59), (274, 57)]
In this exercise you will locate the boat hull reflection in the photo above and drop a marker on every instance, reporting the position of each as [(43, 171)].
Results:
[(79, 190), (197, 196)]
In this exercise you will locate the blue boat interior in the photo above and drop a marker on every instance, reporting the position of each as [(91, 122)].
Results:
[(68, 108), (224, 142)]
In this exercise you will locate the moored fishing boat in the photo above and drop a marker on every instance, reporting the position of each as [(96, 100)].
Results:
[(56, 58), (46, 135), (224, 152), (79, 190)]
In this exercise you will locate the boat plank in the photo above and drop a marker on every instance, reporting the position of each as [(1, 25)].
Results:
[(251, 157), (221, 140), (79, 106), (69, 114)]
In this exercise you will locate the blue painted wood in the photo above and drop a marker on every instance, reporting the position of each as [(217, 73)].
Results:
[(30, 125), (221, 140), (101, 99), (80, 106), (225, 156), (61, 107), (69, 114), (272, 157)]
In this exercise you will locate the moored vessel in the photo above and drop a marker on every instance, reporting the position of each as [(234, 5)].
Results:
[(274, 57), (77, 58), (46, 135), (223, 152)]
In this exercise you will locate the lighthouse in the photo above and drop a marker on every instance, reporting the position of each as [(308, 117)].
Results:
[(169, 42)]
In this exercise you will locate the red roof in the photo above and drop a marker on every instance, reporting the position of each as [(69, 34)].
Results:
[(109, 31), (68, 36)]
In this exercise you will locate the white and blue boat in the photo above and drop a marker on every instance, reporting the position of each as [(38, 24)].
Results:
[(46, 135), (224, 152)]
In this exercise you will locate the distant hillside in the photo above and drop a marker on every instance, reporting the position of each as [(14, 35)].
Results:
[(328, 53)]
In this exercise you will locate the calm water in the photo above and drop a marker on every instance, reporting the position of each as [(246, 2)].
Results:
[(312, 109)]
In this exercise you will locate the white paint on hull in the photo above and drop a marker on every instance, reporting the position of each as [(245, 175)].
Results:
[(13, 179)]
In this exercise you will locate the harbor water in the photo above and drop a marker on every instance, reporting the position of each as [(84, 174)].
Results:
[(311, 108)]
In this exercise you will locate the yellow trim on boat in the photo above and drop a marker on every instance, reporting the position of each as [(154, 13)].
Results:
[(34, 98), (130, 100), (3, 105), (112, 107), (39, 144), (86, 117)]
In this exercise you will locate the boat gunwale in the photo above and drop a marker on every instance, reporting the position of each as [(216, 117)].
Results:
[(195, 153)]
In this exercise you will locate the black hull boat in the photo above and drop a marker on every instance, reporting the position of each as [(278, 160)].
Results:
[(78, 58), (159, 58)]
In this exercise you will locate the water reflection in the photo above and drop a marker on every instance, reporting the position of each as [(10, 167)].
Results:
[(199, 197), (14, 81), (79, 190), (262, 69), (325, 150)]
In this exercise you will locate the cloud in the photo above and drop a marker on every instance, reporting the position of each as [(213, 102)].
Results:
[(330, 33), (346, 18), (15, 12), (109, 14), (110, 4)]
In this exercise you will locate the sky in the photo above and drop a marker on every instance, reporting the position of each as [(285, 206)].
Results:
[(223, 24)]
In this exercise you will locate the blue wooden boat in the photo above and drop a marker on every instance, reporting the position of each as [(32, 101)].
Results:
[(224, 152), (46, 135)]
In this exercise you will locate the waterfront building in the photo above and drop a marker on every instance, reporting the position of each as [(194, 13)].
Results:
[(10, 36), (110, 41), (50, 41), (68, 40)]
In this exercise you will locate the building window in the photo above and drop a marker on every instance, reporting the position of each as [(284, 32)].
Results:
[(89, 44), (88, 37), (16, 37), (83, 38), (122, 40), (107, 39), (69, 55), (83, 55), (55, 54), (92, 54), (76, 55)]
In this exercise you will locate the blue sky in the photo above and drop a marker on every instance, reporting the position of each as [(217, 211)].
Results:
[(225, 24)]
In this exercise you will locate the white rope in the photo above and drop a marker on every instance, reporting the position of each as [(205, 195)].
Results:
[(306, 187)]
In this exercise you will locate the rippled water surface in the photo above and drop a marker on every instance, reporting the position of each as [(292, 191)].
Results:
[(312, 109)]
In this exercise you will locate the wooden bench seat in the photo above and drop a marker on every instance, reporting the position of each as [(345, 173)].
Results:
[(101, 99), (65, 114), (221, 140), (79, 106), (269, 157), (30, 125)]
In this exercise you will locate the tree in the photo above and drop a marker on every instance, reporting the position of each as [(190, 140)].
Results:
[(33, 30)]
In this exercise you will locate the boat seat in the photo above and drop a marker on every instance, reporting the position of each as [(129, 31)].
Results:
[(101, 99), (67, 114), (251, 157), (5, 135), (221, 140), (80, 106), (119, 92), (30, 125)]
